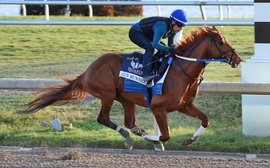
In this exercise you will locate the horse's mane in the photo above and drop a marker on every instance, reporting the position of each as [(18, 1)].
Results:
[(191, 38)]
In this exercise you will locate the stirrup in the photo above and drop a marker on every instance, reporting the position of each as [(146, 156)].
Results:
[(148, 78)]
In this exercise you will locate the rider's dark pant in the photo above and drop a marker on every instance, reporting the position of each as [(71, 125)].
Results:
[(137, 37)]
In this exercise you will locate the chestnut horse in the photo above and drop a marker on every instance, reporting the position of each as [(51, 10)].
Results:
[(101, 79)]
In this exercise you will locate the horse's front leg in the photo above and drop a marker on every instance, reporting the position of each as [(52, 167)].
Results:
[(161, 117), (193, 111)]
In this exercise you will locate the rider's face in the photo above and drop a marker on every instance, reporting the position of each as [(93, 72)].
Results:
[(177, 27)]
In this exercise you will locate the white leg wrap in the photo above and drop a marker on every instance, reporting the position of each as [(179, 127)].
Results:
[(118, 128), (151, 137), (198, 132)]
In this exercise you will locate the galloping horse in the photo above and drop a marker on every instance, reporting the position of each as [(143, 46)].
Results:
[(101, 79)]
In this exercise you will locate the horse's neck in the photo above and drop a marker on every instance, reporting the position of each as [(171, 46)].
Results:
[(201, 50)]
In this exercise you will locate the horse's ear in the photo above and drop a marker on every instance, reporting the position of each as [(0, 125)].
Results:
[(215, 29), (205, 27)]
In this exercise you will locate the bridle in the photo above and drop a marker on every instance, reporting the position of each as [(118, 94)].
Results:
[(222, 57), (229, 60)]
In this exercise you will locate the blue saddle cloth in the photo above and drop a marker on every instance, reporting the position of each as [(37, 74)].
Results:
[(132, 72)]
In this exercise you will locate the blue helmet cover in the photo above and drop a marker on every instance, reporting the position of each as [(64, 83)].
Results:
[(180, 16)]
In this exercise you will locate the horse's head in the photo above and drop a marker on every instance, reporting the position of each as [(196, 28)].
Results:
[(215, 45), (221, 48)]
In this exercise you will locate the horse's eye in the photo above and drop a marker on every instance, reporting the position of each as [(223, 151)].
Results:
[(221, 43)]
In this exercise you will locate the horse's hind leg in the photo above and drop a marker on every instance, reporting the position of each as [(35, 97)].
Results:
[(130, 116), (130, 122), (193, 111), (104, 119)]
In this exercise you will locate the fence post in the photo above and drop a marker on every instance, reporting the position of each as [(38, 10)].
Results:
[(47, 12), (203, 13), (156, 128), (220, 11), (24, 13), (90, 10), (67, 10), (229, 10), (158, 9)]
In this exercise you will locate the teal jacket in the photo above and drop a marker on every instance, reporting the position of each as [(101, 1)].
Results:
[(160, 29)]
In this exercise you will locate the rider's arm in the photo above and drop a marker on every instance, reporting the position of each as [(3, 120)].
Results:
[(171, 39), (160, 29)]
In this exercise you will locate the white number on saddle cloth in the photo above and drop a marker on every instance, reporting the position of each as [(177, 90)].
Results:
[(132, 77)]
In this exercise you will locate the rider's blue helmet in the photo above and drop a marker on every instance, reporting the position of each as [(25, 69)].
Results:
[(180, 16)]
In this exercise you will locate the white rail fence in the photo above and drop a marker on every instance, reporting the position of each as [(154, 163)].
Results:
[(205, 88), (122, 22), (33, 2), (104, 22)]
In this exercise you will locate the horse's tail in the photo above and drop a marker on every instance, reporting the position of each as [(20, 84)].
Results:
[(59, 94)]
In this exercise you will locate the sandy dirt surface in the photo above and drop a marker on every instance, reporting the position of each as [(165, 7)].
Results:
[(117, 158)]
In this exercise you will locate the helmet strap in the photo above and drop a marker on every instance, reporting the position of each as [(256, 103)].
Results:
[(173, 24), (172, 20)]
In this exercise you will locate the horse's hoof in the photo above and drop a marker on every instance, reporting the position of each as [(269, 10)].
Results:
[(136, 131), (187, 142), (158, 146), (129, 143)]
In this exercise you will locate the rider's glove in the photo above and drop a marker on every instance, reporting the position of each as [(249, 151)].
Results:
[(172, 50)]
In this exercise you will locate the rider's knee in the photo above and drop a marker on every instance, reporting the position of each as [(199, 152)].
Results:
[(150, 50)]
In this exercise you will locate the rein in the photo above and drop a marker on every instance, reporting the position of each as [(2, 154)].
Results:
[(201, 60), (222, 59), (200, 79)]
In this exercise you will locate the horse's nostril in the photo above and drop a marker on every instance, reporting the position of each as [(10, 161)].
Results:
[(235, 64)]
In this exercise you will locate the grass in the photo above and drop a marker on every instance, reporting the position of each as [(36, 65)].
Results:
[(66, 51), (224, 133), (57, 51)]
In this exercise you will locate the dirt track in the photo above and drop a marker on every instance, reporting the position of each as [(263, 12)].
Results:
[(100, 158)]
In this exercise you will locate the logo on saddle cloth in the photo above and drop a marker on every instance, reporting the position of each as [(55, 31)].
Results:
[(136, 65), (132, 68)]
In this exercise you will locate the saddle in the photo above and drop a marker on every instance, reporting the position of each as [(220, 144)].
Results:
[(132, 72)]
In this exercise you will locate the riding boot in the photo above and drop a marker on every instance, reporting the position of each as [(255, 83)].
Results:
[(147, 69)]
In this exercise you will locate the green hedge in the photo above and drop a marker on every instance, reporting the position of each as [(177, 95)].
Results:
[(98, 10)]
